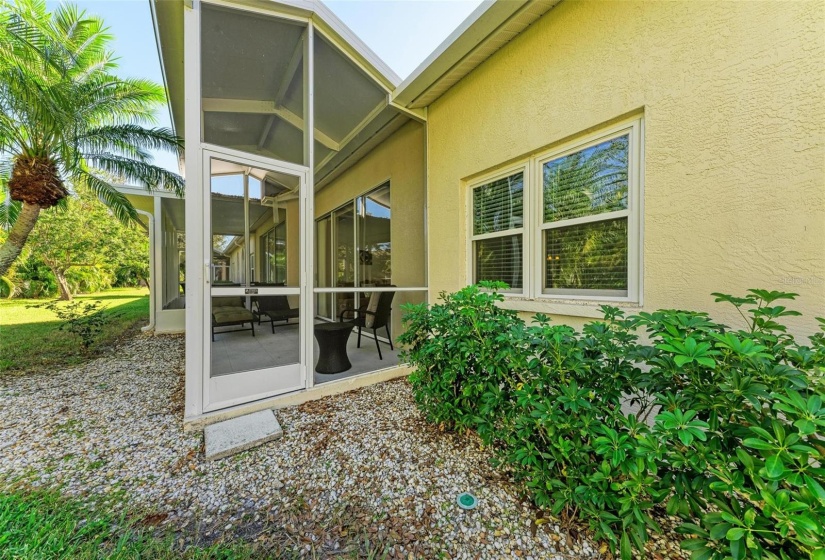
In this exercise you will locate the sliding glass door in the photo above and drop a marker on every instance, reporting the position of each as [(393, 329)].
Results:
[(373, 234), (353, 250)]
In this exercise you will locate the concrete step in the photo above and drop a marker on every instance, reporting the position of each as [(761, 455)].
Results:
[(226, 438)]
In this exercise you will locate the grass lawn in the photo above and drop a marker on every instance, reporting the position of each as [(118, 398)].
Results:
[(30, 338), (46, 525)]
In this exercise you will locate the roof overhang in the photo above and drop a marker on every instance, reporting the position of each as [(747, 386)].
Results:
[(491, 26)]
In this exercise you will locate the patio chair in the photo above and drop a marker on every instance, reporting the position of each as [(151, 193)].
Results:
[(230, 311), (373, 314), (275, 308)]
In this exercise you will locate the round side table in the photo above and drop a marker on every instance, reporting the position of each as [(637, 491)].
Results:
[(332, 342)]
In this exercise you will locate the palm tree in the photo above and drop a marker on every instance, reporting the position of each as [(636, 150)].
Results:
[(66, 122)]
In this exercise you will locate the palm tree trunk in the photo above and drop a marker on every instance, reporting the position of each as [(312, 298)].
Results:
[(17, 236), (63, 285)]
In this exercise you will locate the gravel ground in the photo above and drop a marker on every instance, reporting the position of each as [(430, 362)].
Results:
[(359, 474)]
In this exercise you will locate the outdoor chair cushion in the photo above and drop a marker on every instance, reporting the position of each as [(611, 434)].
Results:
[(372, 307), (227, 301), (276, 308), (229, 315), (229, 311)]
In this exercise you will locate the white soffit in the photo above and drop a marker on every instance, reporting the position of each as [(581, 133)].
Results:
[(491, 26), (167, 19)]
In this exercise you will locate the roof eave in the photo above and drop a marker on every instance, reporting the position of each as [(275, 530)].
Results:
[(488, 28)]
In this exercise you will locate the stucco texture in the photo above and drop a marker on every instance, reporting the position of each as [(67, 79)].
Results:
[(734, 156)]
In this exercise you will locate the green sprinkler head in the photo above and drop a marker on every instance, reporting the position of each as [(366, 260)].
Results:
[(466, 500)]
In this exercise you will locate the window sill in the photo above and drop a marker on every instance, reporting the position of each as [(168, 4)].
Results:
[(569, 308)]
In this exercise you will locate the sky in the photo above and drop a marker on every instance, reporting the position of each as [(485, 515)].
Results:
[(401, 32)]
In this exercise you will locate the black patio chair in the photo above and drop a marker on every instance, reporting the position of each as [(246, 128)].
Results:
[(275, 308), (373, 314)]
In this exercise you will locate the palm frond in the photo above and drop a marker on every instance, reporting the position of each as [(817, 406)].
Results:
[(21, 40), (9, 210), (125, 136), (116, 201), (150, 176), (59, 100)]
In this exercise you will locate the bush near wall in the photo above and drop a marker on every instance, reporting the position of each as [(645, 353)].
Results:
[(728, 433)]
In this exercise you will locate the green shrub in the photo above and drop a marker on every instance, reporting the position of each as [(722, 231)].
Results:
[(89, 279), (746, 466), (734, 449), (463, 350), (34, 279), (84, 319)]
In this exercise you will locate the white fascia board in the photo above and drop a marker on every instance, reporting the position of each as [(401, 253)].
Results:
[(473, 31), (167, 22), (160, 60)]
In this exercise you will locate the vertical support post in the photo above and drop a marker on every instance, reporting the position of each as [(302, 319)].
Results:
[(307, 198), (247, 239), (197, 368), (160, 281)]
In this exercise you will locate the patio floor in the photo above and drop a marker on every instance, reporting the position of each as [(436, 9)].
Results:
[(240, 351)]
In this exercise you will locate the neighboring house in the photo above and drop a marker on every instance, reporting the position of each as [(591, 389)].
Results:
[(642, 154)]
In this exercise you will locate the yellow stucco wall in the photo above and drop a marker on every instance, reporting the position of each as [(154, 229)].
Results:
[(734, 173), (293, 235)]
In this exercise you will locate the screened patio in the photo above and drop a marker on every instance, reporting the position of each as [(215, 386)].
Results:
[(305, 199)]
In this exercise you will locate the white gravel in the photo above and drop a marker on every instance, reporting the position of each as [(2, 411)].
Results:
[(359, 472)]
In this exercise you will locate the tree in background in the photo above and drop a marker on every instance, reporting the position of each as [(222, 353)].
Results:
[(66, 120), (83, 234)]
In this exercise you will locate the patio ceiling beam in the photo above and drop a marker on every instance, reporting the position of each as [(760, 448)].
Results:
[(289, 75), (261, 107), (354, 132), (294, 62)]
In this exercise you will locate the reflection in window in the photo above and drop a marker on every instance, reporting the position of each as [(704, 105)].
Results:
[(273, 251), (354, 248), (586, 219), (587, 182), (374, 244)]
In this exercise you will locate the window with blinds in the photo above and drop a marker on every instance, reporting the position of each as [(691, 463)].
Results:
[(564, 223), (585, 220), (498, 231)]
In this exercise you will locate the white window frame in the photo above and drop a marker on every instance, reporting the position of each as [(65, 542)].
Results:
[(523, 230), (633, 129), (533, 228)]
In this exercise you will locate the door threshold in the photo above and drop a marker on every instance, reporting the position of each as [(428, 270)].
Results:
[(301, 396)]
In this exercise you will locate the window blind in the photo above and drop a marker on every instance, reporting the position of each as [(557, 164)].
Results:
[(591, 256), (499, 205), (587, 182), (500, 258)]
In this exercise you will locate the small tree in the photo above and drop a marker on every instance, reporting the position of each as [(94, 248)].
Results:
[(66, 120), (85, 233)]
